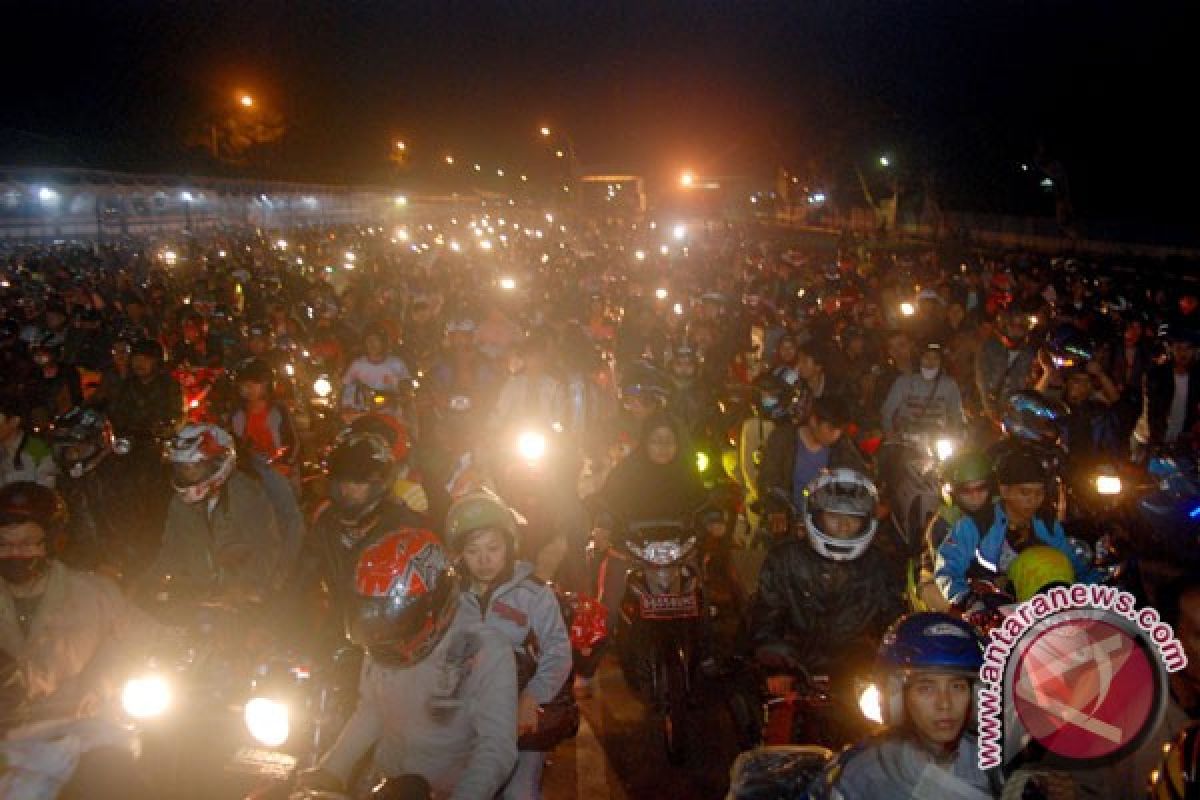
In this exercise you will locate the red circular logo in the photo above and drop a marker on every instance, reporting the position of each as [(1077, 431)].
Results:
[(1084, 688)]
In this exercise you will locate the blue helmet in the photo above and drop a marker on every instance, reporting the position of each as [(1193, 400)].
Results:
[(925, 641)]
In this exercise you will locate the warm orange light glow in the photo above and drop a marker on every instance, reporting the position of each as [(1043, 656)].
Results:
[(401, 146), (544, 131), (247, 101), (686, 180), (450, 160)]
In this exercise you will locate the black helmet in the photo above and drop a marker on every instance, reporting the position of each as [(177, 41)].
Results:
[(81, 439), (360, 458), (1030, 415), (1069, 347), (254, 370)]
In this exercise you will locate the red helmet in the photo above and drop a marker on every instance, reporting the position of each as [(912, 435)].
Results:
[(407, 594), (393, 431)]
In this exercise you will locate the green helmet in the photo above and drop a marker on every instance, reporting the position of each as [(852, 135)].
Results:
[(475, 511), (968, 467)]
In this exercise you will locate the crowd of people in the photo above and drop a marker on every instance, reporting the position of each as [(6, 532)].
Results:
[(360, 436)]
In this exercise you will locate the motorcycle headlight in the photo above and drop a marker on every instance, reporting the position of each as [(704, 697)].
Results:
[(701, 461), (322, 387), (531, 446), (146, 697), (267, 720), (662, 554), (944, 448), (870, 703), (1108, 484)]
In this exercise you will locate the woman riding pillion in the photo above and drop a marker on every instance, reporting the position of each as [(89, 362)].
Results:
[(503, 593)]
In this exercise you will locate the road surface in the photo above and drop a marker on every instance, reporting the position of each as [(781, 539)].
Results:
[(618, 755)]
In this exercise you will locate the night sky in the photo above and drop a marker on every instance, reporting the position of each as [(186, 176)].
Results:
[(961, 90)]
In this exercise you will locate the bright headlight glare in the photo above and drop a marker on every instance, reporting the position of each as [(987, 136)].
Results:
[(322, 387), (531, 446), (944, 448), (662, 553), (701, 461), (1108, 484), (908, 309), (267, 720), (146, 696), (870, 703)]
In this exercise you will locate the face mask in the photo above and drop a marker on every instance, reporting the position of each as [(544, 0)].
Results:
[(19, 571), (929, 374)]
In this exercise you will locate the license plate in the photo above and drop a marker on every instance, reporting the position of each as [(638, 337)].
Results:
[(670, 606), (263, 763)]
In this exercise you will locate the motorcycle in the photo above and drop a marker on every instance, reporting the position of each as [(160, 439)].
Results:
[(294, 709), (820, 708), (179, 698), (660, 624), (909, 479)]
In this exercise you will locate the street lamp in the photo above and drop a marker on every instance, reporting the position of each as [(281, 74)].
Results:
[(884, 161), (247, 101), (545, 131), (686, 180), (449, 160), (401, 146)]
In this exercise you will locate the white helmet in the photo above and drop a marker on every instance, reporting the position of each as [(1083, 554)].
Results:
[(841, 491), (202, 458)]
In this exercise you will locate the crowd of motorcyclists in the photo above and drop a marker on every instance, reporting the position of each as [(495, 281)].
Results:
[(790, 464)]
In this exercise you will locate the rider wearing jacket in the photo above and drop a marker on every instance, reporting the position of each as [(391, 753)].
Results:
[(799, 448), (362, 507), (997, 534), (830, 578), (59, 624), (928, 664), (438, 692), (504, 594), (221, 531)]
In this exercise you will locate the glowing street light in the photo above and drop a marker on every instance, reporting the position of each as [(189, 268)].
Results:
[(449, 160), (247, 101), (401, 146), (559, 154), (401, 200), (545, 131), (884, 161), (500, 173), (680, 232), (478, 168), (686, 180)]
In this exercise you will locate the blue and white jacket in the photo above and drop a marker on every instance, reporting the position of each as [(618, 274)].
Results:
[(966, 544)]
